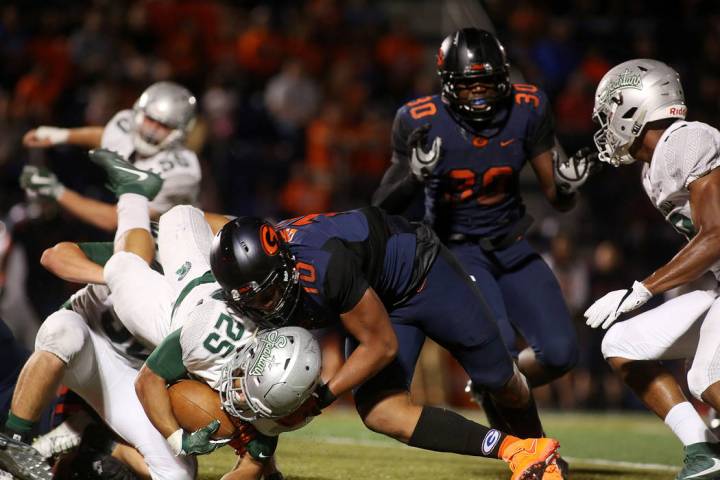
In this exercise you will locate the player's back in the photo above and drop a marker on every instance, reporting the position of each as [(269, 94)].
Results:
[(474, 189), (340, 255)]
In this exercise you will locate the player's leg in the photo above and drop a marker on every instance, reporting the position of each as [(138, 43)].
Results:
[(634, 348), (536, 308), (463, 324), (113, 397), (184, 241), (482, 272), (385, 406)]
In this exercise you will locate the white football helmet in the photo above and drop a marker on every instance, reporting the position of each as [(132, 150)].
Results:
[(628, 97), (272, 375), (166, 103)]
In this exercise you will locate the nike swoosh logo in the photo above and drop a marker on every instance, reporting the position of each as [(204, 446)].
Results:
[(40, 180), (505, 143), (141, 175), (714, 468), (262, 455)]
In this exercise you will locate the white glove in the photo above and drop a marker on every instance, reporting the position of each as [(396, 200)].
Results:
[(573, 172), (53, 135), (607, 309), (40, 182), (423, 163)]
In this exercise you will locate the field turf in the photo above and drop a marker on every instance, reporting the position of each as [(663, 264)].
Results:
[(599, 446)]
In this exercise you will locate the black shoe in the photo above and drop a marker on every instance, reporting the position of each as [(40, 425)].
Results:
[(22, 460)]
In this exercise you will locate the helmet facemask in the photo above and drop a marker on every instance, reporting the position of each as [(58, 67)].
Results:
[(269, 304), (457, 92)]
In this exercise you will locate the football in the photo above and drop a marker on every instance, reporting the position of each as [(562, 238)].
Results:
[(195, 404)]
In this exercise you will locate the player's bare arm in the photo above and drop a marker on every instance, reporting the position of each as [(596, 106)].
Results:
[(246, 468), (67, 261), (153, 395), (368, 322), (544, 171), (703, 250), (44, 136)]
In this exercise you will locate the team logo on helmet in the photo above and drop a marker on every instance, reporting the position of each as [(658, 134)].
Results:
[(267, 345), (269, 240), (626, 79), (440, 58)]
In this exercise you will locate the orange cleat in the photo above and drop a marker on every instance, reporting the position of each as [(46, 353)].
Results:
[(529, 458)]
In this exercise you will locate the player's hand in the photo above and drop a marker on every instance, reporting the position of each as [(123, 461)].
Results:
[(308, 409), (43, 137), (572, 173), (198, 442), (607, 309), (40, 182), (422, 163)]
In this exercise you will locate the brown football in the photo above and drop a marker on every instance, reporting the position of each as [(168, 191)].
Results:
[(195, 405)]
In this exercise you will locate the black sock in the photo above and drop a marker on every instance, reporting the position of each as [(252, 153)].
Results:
[(522, 422), (445, 431), (495, 418)]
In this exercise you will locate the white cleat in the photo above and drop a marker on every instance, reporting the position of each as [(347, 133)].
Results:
[(64, 437)]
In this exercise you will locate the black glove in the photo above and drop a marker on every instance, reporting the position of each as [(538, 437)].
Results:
[(422, 163), (572, 173)]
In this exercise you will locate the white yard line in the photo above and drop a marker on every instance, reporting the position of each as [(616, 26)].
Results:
[(601, 462)]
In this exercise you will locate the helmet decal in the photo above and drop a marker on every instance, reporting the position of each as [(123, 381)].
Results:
[(267, 345), (440, 58), (269, 240)]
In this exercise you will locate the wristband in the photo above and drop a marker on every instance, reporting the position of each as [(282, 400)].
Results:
[(325, 396), (53, 134), (175, 441)]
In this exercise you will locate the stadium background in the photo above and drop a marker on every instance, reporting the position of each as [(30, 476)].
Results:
[(296, 100)]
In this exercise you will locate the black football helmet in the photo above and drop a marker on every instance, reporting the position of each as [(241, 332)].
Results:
[(253, 265), (469, 56)]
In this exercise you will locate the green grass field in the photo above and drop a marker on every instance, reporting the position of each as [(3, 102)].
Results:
[(337, 446)]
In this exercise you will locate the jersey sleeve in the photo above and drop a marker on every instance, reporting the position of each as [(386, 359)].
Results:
[(181, 173), (344, 283), (116, 134), (398, 186), (541, 127), (691, 152), (167, 360)]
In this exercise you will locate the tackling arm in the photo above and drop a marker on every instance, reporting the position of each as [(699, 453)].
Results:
[(246, 468), (693, 260), (368, 322), (155, 399)]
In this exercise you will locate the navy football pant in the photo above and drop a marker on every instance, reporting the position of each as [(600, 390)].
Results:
[(525, 297), (449, 309)]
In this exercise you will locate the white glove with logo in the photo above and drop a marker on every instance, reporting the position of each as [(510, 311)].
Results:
[(574, 171), (423, 163), (607, 309), (40, 182)]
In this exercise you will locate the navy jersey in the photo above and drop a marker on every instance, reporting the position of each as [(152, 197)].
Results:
[(340, 255), (474, 187)]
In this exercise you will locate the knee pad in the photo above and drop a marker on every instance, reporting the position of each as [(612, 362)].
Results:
[(613, 343), (560, 355), (63, 334), (700, 377), (119, 264)]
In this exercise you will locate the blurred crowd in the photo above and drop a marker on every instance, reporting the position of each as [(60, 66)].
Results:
[(296, 101)]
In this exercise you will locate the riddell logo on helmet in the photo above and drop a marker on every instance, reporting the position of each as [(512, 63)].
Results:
[(678, 111), (269, 240)]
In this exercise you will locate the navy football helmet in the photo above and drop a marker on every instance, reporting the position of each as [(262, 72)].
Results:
[(469, 57), (255, 268)]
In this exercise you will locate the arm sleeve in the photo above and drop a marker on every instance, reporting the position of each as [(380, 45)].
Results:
[(541, 135), (166, 359), (398, 186), (344, 283), (98, 252)]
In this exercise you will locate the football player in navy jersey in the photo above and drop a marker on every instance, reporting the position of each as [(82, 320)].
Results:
[(389, 283), (465, 148)]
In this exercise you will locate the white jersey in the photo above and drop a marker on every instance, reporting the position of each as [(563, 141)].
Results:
[(178, 166), (685, 152), (210, 335)]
